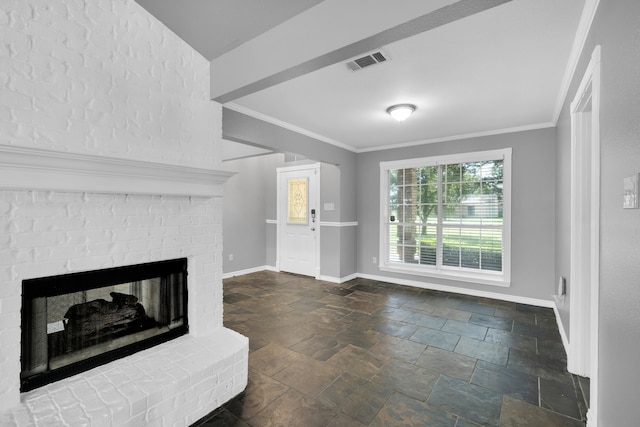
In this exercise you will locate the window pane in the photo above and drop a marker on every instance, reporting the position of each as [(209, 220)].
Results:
[(393, 177), (452, 173), (492, 170), (451, 246), (393, 194), (451, 193), (470, 248), (297, 201), (428, 213), (471, 171), (451, 214), (470, 189), (410, 195), (492, 250), (428, 174), (428, 245)]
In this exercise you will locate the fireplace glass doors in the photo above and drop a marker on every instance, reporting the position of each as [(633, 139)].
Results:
[(74, 322)]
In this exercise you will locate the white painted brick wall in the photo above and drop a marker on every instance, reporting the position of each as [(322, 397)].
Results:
[(92, 231), (103, 77)]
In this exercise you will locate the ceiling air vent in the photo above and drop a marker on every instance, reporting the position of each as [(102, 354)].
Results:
[(366, 61)]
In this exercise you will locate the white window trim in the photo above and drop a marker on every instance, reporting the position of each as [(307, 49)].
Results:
[(486, 277)]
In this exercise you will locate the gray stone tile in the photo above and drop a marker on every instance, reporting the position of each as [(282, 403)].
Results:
[(393, 313), (355, 397), (482, 350), (465, 329), (476, 307), (426, 320), (365, 339), (431, 337), (260, 392), (308, 376), (509, 339), (448, 363), (319, 346), (294, 408), (407, 379), (470, 401), (506, 381), (396, 329), (538, 365), (516, 413), (559, 396), (404, 411), (492, 322), (393, 347), (357, 361), (271, 359)]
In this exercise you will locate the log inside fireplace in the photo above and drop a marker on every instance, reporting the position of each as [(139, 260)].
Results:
[(74, 322)]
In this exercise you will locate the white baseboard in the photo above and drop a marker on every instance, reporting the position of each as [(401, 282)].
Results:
[(338, 279), (563, 334), (464, 291), (248, 271)]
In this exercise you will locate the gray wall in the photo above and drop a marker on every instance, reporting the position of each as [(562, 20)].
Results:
[(533, 208), (250, 200), (247, 197), (617, 29), (337, 186)]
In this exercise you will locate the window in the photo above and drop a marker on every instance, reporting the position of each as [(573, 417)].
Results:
[(448, 216), (297, 201)]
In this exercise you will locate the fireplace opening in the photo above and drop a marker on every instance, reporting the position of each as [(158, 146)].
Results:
[(74, 322)]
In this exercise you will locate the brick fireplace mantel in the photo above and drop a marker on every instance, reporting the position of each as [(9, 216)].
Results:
[(23, 168)]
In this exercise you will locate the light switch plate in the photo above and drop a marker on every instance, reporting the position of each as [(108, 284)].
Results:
[(329, 206), (630, 197)]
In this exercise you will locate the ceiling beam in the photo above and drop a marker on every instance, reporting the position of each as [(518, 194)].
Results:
[(437, 18)]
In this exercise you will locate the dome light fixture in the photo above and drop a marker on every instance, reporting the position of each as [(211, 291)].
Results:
[(401, 112)]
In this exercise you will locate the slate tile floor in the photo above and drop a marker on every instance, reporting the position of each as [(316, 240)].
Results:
[(369, 353)]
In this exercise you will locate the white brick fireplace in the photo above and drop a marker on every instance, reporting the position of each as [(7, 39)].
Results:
[(109, 156)]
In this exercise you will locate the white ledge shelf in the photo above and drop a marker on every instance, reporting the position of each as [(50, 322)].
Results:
[(23, 168)]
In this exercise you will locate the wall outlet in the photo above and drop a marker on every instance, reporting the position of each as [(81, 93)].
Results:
[(374, 260), (562, 286), (230, 257)]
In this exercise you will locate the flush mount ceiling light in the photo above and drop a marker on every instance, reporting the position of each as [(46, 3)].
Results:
[(401, 112)]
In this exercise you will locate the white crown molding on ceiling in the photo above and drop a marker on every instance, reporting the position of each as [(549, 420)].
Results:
[(584, 26), (24, 168), (297, 129), (286, 125), (462, 136)]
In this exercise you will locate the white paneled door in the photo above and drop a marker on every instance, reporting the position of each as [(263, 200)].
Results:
[(298, 219)]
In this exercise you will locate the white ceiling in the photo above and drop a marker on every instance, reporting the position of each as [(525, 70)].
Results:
[(495, 70)]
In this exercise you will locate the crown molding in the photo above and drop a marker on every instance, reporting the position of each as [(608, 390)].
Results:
[(260, 116), (584, 26)]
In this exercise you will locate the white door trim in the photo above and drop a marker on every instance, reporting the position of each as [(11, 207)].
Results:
[(281, 215), (582, 357)]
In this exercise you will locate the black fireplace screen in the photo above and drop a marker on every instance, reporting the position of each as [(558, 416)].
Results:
[(74, 322)]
